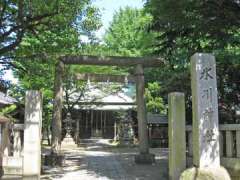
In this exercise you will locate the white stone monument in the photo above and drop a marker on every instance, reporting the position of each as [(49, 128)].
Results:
[(17, 144), (206, 152), (205, 111), (32, 135)]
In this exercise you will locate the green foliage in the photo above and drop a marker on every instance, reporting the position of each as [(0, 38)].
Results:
[(128, 35), (186, 27), (155, 103), (7, 110), (191, 26), (34, 60), (20, 18)]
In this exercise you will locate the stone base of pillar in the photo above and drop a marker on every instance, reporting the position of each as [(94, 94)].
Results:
[(68, 142), (31, 177), (205, 174), (145, 158), (96, 134), (126, 142)]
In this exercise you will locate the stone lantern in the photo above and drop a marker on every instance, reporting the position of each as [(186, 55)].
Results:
[(126, 131), (68, 140)]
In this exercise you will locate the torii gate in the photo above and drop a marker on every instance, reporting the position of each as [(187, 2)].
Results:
[(139, 63)]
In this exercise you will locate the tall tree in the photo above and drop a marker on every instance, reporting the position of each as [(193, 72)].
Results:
[(33, 62), (25, 16), (186, 27), (128, 35)]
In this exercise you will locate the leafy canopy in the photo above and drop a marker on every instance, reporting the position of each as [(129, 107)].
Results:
[(128, 35)]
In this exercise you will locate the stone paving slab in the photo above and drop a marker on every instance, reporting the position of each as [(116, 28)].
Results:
[(98, 160)]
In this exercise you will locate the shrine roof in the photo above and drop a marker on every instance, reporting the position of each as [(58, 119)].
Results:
[(98, 99), (6, 100)]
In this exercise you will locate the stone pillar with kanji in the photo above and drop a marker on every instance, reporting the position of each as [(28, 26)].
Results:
[(206, 152)]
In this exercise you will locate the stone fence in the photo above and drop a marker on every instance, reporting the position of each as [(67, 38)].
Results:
[(12, 149), (229, 140)]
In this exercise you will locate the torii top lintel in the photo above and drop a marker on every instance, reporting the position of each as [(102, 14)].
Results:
[(112, 61)]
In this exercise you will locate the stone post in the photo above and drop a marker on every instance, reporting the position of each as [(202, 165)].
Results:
[(144, 156), (205, 111), (32, 134), (97, 117), (104, 122), (176, 135), (77, 128), (150, 132), (5, 139), (57, 108), (206, 152), (238, 143), (17, 147), (115, 130), (86, 118), (91, 123), (190, 144), (101, 123)]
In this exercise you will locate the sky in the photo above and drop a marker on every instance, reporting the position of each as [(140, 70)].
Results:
[(107, 10)]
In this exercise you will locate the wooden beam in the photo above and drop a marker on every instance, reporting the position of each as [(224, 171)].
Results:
[(113, 61), (106, 103), (105, 78)]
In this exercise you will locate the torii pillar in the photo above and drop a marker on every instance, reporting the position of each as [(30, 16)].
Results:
[(57, 109), (144, 157)]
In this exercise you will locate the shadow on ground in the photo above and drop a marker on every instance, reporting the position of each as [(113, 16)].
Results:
[(97, 159)]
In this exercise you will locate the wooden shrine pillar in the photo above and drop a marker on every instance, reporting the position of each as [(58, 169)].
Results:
[(91, 122), (96, 129), (57, 108), (78, 127), (144, 156), (101, 123), (86, 119), (104, 122)]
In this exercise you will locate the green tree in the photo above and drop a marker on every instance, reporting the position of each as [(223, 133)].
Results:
[(186, 27), (21, 17), (155, 103), (33, 62), (128, 35)]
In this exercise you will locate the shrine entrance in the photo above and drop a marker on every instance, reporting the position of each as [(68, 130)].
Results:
[(139, 64), (97, 113)]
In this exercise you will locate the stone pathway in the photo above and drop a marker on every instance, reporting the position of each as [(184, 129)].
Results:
[(96, 159)]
